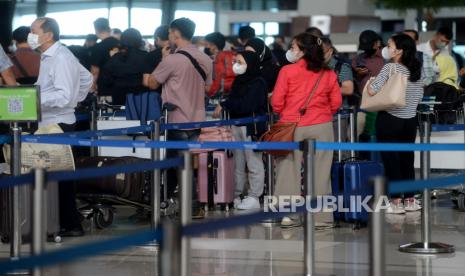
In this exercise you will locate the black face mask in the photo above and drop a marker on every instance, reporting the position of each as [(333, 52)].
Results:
[(208, 52)]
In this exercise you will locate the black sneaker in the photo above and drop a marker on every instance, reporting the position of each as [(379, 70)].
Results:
[(75, 232)]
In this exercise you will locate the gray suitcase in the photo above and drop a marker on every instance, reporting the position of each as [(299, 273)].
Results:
[(52, 214)]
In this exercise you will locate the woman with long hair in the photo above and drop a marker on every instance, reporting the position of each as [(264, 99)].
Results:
[(399, 125), (293, 88)]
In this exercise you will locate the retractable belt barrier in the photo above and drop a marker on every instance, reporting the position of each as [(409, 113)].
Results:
[(243, 145), (444, 128), (78, 252), (138, 239), (11, 181), (163, 127), (188, 230)]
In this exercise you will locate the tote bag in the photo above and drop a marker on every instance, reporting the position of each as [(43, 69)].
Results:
[(391, 95)]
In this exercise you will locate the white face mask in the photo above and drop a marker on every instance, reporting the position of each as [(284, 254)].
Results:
[(292, 57), (33, 41), (239, 69), (386, 53)]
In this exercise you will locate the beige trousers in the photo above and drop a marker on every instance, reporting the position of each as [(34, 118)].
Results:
[(288, 169)]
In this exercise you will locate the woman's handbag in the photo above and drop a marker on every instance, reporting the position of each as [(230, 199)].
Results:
[(392, 94), (284, 131)]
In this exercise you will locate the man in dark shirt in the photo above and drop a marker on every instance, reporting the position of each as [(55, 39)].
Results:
[(26, 62), (124, 71), (161, 41), (100, 54), (83, 53), (116, 33)]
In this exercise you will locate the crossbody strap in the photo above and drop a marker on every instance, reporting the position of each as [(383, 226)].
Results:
[(304, 109), (194, 63)]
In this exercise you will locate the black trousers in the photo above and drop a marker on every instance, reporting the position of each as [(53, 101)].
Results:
[(174, 174), (69, 214), (391, 129)]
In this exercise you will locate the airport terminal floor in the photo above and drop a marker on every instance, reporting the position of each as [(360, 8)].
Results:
[(266, 249)]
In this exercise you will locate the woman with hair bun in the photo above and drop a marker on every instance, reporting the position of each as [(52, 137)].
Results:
[(293, 88)]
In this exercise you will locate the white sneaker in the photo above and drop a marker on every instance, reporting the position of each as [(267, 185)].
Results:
[(237, 201), (396, 207), (249, 203), (288, 222), (412, 204)]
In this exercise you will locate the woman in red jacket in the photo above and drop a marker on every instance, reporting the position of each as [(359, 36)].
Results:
[(293, 87)]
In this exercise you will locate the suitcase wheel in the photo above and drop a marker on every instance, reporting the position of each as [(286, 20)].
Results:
[(103, 217), (54, 238), (57, 239)]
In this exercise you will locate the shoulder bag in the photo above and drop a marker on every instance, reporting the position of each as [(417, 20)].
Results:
[(392, 94), (284, 131)]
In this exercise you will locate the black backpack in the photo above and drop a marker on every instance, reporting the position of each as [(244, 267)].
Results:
[(447, 94)]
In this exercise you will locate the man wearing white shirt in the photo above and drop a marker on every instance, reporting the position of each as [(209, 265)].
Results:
[(63, 83), (62, 79), (439, 44), (6, 72)]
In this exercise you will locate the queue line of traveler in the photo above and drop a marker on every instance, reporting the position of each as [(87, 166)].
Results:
[(242, 78)]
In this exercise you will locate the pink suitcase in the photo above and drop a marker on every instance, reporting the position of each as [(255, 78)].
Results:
[(216, 178)]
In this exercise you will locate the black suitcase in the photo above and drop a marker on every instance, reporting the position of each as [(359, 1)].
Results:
[(132, 186), (25, 197)]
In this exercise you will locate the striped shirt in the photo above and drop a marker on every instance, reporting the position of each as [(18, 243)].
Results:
[(5, 62), (414, 92)]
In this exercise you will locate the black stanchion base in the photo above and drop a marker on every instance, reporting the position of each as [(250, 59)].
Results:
[(429, 248)]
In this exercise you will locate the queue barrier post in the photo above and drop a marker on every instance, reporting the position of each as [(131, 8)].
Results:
[(39, 217), (309, 233), (185, 201), (15, 161), (155, 177), (426, 246), (377, 230), (169, 258)]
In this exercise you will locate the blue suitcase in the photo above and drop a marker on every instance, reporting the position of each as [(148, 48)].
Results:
[(352, 178)]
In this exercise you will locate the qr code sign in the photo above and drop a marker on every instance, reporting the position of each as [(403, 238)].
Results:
[(15, 105)]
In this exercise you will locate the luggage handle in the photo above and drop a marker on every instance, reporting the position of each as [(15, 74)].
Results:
[(215, 176), (210, 179), (352, 127)]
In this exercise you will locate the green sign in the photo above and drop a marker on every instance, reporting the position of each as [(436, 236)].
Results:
[(19, 104)]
